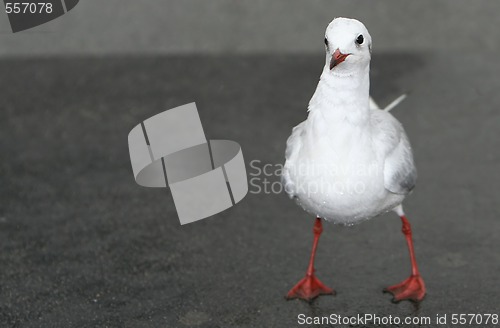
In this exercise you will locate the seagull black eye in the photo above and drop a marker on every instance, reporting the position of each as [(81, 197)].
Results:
[(360, 39), (326, 42)]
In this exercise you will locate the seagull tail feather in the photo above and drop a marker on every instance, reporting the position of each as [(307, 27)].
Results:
[(396, 102)]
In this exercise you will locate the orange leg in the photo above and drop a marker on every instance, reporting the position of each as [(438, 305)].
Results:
[(310, 287), (412, 288)]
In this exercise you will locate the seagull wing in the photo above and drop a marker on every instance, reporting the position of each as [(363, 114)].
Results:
[(373, 104), (293, 146), (400, 174)]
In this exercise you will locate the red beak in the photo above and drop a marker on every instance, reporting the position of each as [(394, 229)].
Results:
[(337, 58)]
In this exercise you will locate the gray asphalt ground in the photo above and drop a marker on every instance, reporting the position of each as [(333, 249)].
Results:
[(81, 245)]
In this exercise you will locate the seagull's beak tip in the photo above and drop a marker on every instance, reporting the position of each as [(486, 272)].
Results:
[(337, 58)]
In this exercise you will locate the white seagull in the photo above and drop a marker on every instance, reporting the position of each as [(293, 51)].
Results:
[(349, 160)]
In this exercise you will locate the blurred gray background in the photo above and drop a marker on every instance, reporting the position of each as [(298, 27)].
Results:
[(100, 27)]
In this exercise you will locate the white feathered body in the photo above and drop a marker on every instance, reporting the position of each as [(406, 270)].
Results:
[(347, 162)]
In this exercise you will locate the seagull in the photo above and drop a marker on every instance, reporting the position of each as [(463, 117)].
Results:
[(349, 161)]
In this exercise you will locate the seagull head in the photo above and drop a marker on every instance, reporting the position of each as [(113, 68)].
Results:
[(348, 46)]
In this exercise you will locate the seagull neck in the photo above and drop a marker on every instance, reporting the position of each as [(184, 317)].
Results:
[(343, 97)]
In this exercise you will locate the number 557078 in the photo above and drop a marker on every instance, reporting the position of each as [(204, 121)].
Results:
[(28, 8)]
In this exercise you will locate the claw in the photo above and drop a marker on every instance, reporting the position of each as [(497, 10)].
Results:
[(309, 288), (412, 289)]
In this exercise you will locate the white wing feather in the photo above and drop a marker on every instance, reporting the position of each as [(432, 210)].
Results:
[(293, 146)]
